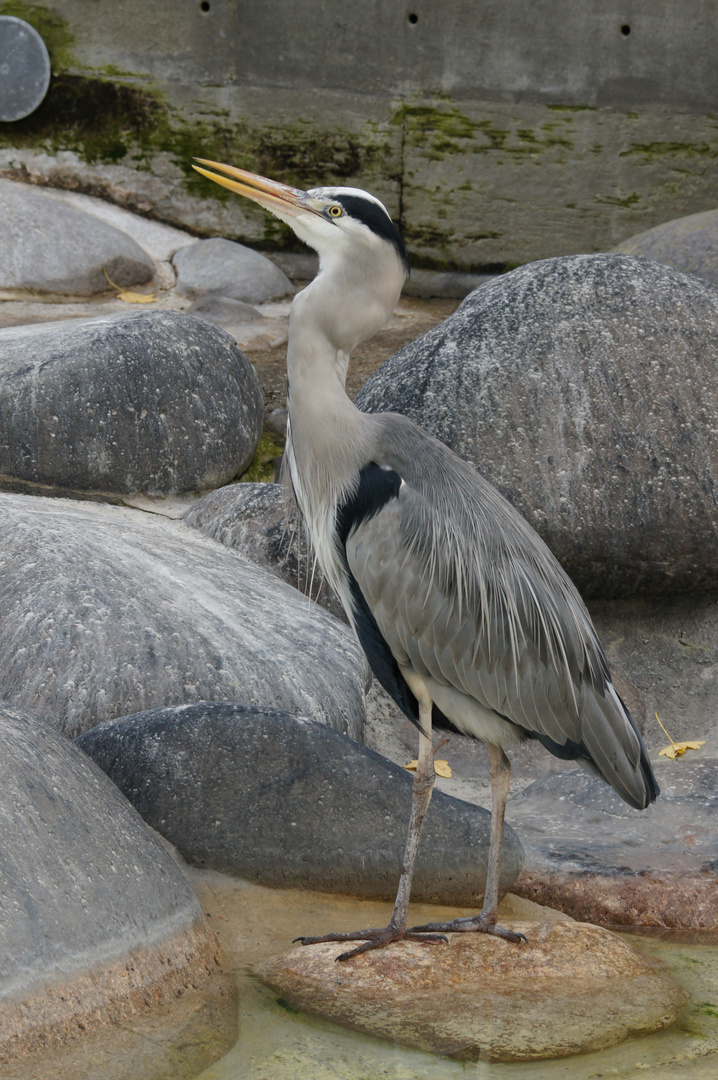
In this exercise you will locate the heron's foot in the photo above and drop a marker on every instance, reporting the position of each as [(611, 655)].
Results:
[(375, 939), (479, 924)]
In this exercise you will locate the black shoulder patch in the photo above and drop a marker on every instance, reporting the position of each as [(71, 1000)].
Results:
[(375, 218), (376, 488)]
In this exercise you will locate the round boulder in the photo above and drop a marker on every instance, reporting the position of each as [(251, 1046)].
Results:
[(289, 803), (50, 247), (688, 243), (584, 389), (230, 269), (97, 923), (155, 402), (106, 611), (259, 521), (570, 989)]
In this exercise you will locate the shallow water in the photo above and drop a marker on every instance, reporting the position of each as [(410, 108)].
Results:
[(277, 1043), (271, 1041)]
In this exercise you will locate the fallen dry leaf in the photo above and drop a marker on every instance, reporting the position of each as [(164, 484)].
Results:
[(130, 297), (441, 767), (677, 748)]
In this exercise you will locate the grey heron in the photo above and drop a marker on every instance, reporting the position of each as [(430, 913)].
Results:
[(465, 616)]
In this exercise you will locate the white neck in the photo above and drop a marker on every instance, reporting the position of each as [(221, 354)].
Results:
[(329, 439)]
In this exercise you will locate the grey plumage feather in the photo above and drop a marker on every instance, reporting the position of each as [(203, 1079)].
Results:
[(466, 594)]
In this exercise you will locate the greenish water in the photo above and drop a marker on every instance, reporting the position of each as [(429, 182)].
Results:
[(277, 1043), (245, 1032)]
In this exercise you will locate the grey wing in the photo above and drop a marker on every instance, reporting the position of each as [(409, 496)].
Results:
[(466, 594)]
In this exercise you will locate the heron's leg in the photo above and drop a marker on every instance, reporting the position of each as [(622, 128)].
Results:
[(485, 921), (420, 799)]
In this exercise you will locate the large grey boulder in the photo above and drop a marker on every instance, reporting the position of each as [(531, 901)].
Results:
[(97, 922), (50, 247), (222, 266), (688, 243), (259, 521), (599, 860), (584, 389), (289, 803), (155, 402), (106, 611)]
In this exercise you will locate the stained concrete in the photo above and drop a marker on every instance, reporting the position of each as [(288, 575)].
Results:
[(495, 133)]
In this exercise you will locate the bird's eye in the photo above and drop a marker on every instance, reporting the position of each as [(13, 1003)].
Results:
[(335, 211)]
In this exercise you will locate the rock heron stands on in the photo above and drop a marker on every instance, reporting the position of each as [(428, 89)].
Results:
[(463, 612)]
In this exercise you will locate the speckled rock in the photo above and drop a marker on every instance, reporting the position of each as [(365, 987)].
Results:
[(106, 611), (222, 266), (595, 858), (256, 520), (97, 923), (584, 389), (155, 402), (288, 803), (688, 243), (223, 310), (571, 989), (50, 247)]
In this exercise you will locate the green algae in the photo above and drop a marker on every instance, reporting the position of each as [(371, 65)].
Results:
[(656, 151), (615, 200), (261, 468)]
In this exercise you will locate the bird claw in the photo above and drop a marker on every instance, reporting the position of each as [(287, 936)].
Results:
[(474, 924), (374, 939)]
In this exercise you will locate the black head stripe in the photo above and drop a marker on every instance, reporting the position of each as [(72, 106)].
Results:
[(375, 218)]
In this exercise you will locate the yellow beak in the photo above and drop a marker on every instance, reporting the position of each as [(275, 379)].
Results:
[(268, 193)]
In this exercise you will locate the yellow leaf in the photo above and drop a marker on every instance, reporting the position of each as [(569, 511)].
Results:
[(136, 297), (677, 748), (441, 768), (130, 297)]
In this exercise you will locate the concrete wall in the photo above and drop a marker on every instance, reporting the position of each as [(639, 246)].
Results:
[(497, 131)]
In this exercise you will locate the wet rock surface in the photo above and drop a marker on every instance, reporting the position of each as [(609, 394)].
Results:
[(285, 802), (259, 521), (157, 402), (230, 269), (688, 243), (597, 859), (95, 917), (583, 389), (572, 988), (50, 247), (105, 611)]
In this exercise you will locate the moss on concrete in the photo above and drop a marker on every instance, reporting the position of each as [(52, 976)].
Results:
[(655, 151)]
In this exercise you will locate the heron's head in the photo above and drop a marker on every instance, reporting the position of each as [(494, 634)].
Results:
[(347, 227)]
